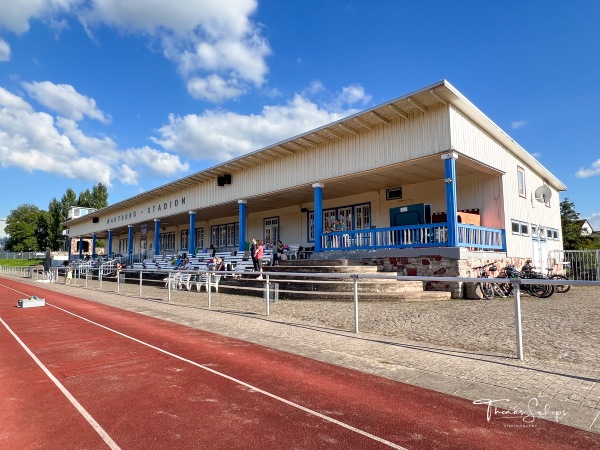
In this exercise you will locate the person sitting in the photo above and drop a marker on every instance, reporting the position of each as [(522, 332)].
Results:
[(278, 252), (186, 265), (219, 264), (178, 262), (527, 268)]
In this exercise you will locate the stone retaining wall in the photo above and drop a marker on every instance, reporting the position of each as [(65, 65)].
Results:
[(442, 266)]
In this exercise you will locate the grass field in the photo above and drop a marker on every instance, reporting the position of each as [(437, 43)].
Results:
[(20, 262)]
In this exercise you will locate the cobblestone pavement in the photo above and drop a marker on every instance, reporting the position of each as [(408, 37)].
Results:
[(460, 347)]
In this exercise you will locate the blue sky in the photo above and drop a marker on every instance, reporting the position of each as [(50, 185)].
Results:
[(138, 93)]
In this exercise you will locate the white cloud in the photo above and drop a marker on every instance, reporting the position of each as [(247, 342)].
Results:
[(516, 124), (157, 162), (594, 169), (16, 15), (208, 40), (594, 221), (127, 175), (13, 102), (65, 100), (218, 135), (37, 141), (217, 48), (4, 50), (213, 89)]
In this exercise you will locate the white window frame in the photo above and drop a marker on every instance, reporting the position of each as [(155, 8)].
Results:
[(522, 228), (522, 188)]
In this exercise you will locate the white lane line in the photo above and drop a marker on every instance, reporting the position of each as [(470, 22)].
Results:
[(95, 425), (242, 383)]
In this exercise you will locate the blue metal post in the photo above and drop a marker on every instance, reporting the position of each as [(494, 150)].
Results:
[(130, 244), (192, 234), (451, 202), (242, 221), (93, 245), (318, 196), (80, 247), (156, 237), (110, 239)]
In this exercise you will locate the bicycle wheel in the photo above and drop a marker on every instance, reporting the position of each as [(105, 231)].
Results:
[(548, 292), (499, 290), (487, 290), (560, 288), (538, 290)]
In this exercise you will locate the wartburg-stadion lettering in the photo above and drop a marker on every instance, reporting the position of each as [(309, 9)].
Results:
[(155, 208)]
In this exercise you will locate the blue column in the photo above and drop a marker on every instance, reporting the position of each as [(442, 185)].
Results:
[(451, 202), (69, 243), (93, 245), (318, 195), (130, 244), (192, 234), (80, 247), (110, 252), (242, 227), (156, 237)]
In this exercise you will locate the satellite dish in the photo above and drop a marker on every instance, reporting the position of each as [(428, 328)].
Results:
[(543, 194)]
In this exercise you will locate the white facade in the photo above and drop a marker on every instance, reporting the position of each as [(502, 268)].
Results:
[(396, 144)]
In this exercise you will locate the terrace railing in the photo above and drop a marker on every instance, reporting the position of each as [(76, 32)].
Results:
[(413, 236)]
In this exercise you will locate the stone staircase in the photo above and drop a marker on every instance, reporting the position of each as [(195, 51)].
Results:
[(305, 287)]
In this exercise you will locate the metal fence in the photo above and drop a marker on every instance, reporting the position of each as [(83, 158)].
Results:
[(169, 284), (22, 255), (577, 264)]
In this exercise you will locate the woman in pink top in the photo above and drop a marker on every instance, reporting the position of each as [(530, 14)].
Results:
[(259, 257)]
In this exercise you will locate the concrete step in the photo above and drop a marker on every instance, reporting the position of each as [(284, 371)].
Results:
[(321, 268), (292, 291)]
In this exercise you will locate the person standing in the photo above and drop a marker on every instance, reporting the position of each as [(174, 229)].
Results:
[(259, 257), (278, 252), (253, 254), (69, 276)]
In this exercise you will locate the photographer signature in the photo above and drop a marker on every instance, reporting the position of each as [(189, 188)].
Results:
[(529, 414)]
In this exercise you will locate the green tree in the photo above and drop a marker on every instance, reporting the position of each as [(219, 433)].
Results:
[(21, 226), (55, 220), (68, 199), (99, 196), (571, 227)]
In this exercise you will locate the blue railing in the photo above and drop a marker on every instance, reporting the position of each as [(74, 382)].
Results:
[(412, 236), (481, 237)]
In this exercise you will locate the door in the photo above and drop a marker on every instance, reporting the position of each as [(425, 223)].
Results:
[(540, 254), (143, 247)]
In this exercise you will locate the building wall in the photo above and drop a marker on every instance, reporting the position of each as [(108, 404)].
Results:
[(473, 142)]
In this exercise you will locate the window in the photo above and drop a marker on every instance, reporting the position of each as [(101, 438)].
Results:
[(225, 235), (123, 246), (167, 242), (184, 240), (329, 216), (311, 226), (552, 233), (271, 230), (521, 228), (521, 180), (199, 238)]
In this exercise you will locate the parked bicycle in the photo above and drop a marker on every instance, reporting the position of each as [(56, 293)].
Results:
[(486, 288), (560, 288), (533, 289)]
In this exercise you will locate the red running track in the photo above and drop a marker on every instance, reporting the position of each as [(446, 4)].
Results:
[(179, 387)]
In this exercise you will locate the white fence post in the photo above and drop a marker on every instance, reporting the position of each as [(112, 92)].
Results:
[(355, 279), (518, 324)]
